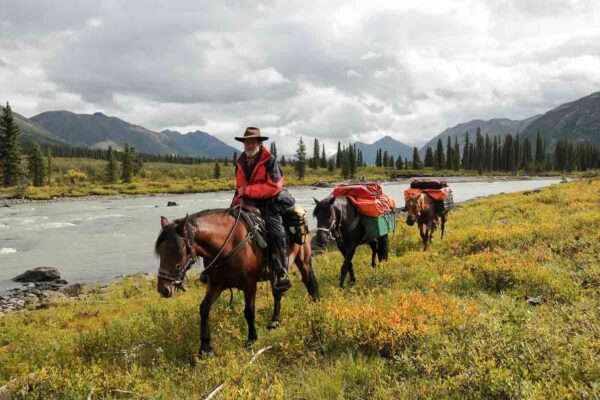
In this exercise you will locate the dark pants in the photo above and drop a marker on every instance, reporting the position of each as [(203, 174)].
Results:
[(275, 234)]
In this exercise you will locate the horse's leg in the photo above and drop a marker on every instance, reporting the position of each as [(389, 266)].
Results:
[(276, 309), (344, 269), (350, 266), (303, 261), (424, 235), (249, 311), (212, 294), (373, 245), (444, 216)]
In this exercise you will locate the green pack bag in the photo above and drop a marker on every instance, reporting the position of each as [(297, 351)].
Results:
[(379, 226)]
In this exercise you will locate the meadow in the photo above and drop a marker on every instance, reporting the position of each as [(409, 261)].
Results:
[(79, 177), (453, 322)]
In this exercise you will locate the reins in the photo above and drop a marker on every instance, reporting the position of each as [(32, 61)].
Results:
[(180, 271)]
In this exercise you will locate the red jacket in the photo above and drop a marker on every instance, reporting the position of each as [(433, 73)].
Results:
[(261, 181)]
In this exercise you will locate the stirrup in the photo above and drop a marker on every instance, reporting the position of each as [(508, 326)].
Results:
[(282, 283)]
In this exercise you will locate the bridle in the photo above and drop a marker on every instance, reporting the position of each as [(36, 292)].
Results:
[(334, 229), (180, 270)]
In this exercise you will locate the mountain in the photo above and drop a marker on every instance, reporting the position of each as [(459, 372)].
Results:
[(99, 131), (198, 144), (31, 132), (393, 147), (492, 127), (578, 122)]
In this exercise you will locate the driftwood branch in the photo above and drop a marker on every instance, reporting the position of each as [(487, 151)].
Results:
[(222, 385)]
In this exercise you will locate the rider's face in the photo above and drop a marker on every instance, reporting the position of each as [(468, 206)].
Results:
[(251, 146)]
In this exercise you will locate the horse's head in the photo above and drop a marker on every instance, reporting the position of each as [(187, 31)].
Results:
[(325, 215), (413, 210), (174, 249)]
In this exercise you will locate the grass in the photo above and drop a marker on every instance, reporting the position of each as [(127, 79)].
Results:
[(449, 323), (156, 178)]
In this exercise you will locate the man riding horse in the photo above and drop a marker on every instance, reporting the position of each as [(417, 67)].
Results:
[(259, 181)]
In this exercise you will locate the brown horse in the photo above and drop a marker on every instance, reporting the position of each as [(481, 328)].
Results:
[(231, 259), (422, 209)]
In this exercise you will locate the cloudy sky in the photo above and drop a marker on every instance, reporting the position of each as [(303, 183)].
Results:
[(333, 70)]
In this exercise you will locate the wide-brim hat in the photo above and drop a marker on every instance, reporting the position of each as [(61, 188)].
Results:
[(252, 133)]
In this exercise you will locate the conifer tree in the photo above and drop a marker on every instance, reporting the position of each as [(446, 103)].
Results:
[(456, 162), (127, 164), (428, 162), (449, 155), (465, 156), (10, 149), (440, 163), (352, 160), (330, 165), (110, 174), (539, 150), (300, 165), (323, 158), (338, 156), (217, 171), (49, 167), (316, 154), (416, 160), (399, 163), (36, 167)]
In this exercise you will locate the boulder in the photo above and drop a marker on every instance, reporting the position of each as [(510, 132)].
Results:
[(172, 204), (40, 274)]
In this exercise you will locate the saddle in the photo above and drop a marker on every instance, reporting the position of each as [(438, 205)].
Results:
[(254, 223)]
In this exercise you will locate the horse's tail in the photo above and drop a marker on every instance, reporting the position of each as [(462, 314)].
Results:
[(382, 248)]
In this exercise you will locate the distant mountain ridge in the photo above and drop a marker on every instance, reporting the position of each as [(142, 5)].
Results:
[(492, 127), (386, 143), (30, 132), (577, 122), (99, 131)]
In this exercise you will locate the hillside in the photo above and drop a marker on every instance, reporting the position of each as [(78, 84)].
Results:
[(578, 122), (99, 131), (492, 127), (31, 132)]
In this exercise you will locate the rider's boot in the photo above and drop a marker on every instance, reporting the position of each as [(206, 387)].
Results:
[(282, 279)]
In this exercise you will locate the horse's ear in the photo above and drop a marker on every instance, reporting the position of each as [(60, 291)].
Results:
[(316, 201), (331, 200), (182, 226), (163, 221)]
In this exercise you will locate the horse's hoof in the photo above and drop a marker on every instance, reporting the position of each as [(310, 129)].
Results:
[(273, 325), (205, 354), (250, 342)]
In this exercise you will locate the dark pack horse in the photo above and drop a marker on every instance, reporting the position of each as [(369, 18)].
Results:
[(232, 259), (337, 217)]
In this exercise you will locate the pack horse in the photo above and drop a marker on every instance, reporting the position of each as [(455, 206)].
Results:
[(354, 215)]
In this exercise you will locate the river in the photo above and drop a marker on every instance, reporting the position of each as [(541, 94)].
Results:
[(97, 240)]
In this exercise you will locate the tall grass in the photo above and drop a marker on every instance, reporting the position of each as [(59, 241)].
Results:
[(449, 323)]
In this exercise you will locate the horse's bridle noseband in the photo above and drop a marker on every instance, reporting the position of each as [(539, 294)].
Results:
[(180, 270)]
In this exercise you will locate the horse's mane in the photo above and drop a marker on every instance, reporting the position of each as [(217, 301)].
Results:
[(169, 232)]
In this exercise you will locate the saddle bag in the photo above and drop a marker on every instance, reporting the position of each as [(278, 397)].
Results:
[(379, 226), (296, 223)]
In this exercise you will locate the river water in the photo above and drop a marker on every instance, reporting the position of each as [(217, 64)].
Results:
[(97, 240)]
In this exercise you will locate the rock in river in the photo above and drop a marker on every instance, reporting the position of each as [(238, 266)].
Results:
[(40, 274)]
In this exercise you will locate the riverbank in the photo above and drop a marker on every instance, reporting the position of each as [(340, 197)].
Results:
[(506, 306), (8, 201)]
